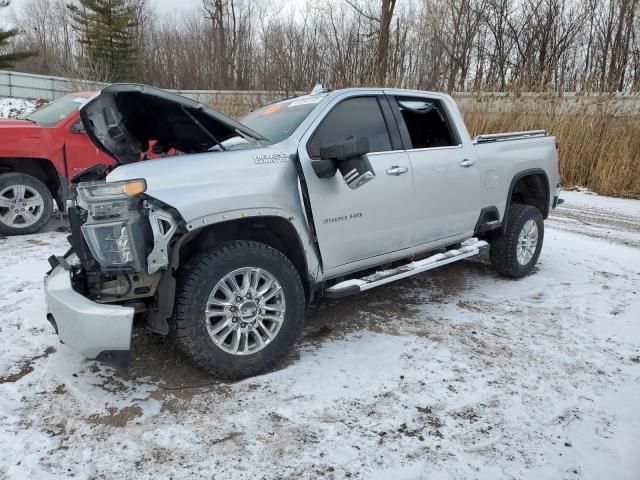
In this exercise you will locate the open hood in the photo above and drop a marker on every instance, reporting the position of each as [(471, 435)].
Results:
[(122, 120)]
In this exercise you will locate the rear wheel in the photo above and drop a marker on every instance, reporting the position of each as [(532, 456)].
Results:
[(239, 309), (516, 252), (26, 204)]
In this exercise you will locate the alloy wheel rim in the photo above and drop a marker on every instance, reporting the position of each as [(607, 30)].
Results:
[(527, 242), (21, 206), (245, 311)]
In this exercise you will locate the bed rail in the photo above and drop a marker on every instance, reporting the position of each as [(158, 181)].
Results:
[(500, 137)]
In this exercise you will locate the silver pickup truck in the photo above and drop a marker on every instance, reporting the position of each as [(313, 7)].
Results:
[(225, 243)]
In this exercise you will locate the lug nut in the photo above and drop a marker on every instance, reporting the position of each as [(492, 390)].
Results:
[(233, 308), (238, 299), (234, 319), (248, 295), (243, 324)]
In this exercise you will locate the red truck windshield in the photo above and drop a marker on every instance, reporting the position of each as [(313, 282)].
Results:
[(54, 112)]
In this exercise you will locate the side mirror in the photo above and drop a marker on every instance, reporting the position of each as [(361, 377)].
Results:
[(350, 158), (77, 127)]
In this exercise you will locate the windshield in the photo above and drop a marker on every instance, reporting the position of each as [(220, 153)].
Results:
[(51, 114), (278, 120)]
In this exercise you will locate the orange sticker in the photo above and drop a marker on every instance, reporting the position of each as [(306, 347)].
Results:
[(272, 109)]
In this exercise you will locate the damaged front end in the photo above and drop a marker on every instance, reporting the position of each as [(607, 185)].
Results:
[(120, 267), (117, 270)]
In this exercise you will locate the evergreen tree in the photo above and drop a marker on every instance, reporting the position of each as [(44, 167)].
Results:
[(7, 60), (103, 26)]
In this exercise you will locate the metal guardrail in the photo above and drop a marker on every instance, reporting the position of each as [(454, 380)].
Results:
[(28, 85)]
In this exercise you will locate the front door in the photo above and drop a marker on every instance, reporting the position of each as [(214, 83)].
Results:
[(374, 219)]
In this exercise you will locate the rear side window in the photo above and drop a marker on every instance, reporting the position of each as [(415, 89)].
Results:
[(426, 122), (353, 118)]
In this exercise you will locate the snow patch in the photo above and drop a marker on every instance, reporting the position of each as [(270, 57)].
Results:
[(16, 107)]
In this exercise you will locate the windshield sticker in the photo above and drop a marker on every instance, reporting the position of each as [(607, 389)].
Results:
[(306, 101), (272, 109)]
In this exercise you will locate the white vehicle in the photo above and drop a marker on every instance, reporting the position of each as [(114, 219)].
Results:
[(329, 194)]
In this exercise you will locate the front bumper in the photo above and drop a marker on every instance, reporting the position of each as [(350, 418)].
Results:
[(92, 329)]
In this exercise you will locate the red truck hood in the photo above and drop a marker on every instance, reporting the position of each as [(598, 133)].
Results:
[(123, 119), (14, 122)]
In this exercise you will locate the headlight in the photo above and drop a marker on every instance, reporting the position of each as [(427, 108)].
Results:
[(110, 243), (114, 230), (116, 244), (93, 191), (109, 200)]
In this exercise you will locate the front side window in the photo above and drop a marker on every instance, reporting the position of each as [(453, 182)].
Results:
[(56, 111), (352, 119), (426, 122)]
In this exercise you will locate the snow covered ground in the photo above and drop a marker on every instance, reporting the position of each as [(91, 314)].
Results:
[(455, 373), (16, 107)]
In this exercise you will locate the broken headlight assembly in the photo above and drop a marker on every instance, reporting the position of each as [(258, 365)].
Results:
[(114, 231)]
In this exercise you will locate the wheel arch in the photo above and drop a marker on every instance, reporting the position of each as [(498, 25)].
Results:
[(529, 187), (275, 231), (41, 168)]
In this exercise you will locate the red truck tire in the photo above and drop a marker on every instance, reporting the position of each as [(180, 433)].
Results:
[(26, 204)]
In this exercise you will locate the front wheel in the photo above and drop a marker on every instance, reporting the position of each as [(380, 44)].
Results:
[(26, 204), (239, 309), (516, 251)]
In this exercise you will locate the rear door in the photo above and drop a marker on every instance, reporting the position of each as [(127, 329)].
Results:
[(445, 174), (375, 219)]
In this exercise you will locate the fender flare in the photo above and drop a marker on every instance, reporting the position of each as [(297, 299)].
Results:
[(518, 176)]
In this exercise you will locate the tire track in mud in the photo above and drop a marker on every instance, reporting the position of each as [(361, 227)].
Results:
[(610, 225)]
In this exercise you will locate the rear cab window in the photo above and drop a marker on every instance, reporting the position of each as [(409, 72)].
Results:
[(427, 123), (352, 118)]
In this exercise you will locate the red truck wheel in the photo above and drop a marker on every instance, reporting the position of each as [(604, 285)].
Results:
[(26, 204)]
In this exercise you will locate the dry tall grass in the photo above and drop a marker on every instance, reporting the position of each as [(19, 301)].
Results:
[(599, 144)]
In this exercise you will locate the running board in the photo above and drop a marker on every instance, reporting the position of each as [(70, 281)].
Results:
[(468, 248)]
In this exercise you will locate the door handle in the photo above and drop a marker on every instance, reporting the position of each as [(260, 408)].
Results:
[(466, 163), (395, 170)]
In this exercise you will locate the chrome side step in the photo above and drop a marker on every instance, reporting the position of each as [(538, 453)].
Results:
[(468, 248)]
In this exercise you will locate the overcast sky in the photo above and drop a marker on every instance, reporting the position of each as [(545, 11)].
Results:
[(168, 6)]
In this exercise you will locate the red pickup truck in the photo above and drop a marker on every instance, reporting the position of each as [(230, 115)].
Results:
[(39, 153)]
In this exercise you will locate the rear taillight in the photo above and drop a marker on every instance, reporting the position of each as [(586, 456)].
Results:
[(557, 145)]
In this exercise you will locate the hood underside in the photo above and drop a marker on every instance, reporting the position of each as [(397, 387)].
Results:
[(123, 119)]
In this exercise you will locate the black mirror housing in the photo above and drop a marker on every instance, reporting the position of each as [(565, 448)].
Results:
[(77, 127), (352, 147), (350, 158), (324, 168)]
